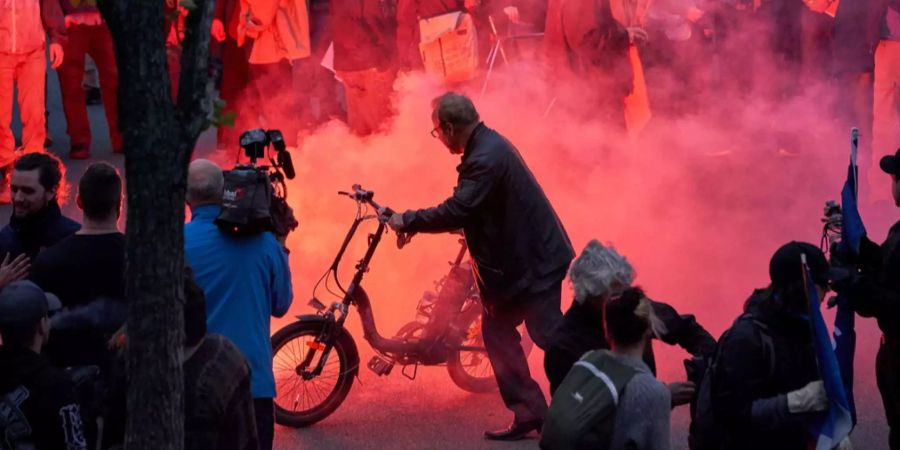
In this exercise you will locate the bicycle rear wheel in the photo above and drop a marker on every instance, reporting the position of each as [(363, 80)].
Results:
[(303, 399)]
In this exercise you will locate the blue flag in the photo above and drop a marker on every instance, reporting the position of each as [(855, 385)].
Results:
[(852, 228), (852, 232), (833, 426)]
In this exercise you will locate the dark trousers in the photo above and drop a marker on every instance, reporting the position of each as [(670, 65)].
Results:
[(887, 368), (96, 41), (264, 410), (541, 314), (235, 77), (557, 363), (272, 86)]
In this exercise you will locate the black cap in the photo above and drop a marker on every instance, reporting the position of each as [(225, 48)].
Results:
[(786, 267), (891, 164), (23, 303)]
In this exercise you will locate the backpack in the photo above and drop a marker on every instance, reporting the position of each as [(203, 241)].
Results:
[(705, 432), (583, 409), (246, 202)]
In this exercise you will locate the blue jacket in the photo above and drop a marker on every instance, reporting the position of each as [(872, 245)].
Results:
[(246, 281), (31, 234)]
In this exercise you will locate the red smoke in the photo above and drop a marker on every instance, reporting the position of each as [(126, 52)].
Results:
[(696, 203)]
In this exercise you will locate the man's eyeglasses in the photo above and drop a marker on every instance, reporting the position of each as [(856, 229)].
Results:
[(434, 132)]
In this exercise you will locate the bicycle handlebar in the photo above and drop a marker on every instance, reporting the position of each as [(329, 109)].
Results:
[(361, 195)]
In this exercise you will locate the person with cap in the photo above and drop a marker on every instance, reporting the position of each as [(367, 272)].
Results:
[(765, 381), (875, 292), (597, 275), (37, 401)]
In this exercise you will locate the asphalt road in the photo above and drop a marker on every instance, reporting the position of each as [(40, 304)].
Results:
[(430, 412)]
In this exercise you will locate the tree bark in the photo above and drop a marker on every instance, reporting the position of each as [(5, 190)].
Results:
[(158, 138)]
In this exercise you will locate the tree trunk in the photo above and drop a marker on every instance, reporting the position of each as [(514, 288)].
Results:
[(159, 137)]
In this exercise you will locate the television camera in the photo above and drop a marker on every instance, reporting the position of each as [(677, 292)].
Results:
[(254, 198)]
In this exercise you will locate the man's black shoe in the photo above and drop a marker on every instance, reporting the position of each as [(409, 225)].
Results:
[(515, 432)]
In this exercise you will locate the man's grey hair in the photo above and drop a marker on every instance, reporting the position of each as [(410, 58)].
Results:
[(205, 182), (455, 109), (598, 271)]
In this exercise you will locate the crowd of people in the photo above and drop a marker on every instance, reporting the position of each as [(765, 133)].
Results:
[(63, 308), (62, 320), (63, 302)]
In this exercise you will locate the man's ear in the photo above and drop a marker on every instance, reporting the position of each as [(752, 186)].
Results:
[(78, 201)]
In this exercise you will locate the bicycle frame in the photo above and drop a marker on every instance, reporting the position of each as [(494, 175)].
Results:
[(355, 295)]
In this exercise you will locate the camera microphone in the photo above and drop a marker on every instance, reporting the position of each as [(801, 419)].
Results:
[(284, 160)]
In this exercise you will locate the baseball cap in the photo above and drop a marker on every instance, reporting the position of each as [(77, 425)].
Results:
[(785, 267), (891, 164), (23, 303)]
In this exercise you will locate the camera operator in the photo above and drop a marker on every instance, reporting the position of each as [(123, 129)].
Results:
[(520, 248), (246, 279), (875, 292)]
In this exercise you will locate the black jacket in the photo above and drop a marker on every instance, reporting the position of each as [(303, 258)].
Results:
[(30, 234), (517, 241), (750, 381), (37, 403), (876, 292), (582, 331)]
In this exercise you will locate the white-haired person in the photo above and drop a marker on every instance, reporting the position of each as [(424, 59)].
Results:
[(610, 399), (598, 275)]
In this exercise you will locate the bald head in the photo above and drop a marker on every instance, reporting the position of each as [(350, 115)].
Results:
[(205, 183)]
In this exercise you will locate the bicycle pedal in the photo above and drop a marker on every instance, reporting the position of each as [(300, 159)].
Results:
[(380, 365)]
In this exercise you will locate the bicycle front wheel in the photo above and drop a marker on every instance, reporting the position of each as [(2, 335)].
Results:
[(302, 398)]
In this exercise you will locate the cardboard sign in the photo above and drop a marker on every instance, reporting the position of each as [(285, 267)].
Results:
[(449, 47)]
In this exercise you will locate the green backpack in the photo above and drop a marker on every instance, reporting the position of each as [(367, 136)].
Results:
[(583, 409)]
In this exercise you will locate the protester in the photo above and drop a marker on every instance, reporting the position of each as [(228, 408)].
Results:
[(637, 405), (875, 292), (409, 15), (588, 50), (597, 275), (365, 59), (36, 220), (886, 108), (24, 25), (235, 72), (39, 408), (520, 248), (87, 272), (246, 280), (857, 27), (276, 34), (766, 385), (218, 406), (87, 35)]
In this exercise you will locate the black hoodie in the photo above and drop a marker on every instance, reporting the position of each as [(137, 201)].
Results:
[(37, 403)]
